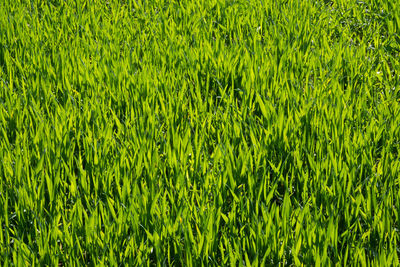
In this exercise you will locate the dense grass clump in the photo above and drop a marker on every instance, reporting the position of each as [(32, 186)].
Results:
[(221, 132)]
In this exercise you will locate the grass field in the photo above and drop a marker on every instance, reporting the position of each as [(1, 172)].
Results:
[(189, 133)]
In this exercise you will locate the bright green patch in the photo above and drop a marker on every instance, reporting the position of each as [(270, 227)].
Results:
[(222, 132)]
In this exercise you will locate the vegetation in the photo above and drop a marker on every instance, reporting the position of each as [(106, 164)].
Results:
[(221, 132)]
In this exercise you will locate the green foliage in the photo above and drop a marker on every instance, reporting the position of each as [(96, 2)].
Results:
[(221, 132)]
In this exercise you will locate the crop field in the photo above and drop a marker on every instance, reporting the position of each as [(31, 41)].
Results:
[(199, 133)]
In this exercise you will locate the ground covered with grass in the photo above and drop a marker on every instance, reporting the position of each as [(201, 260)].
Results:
[(221, 132)]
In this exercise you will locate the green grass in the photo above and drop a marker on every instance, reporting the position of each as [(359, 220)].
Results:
[(188, 133)]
